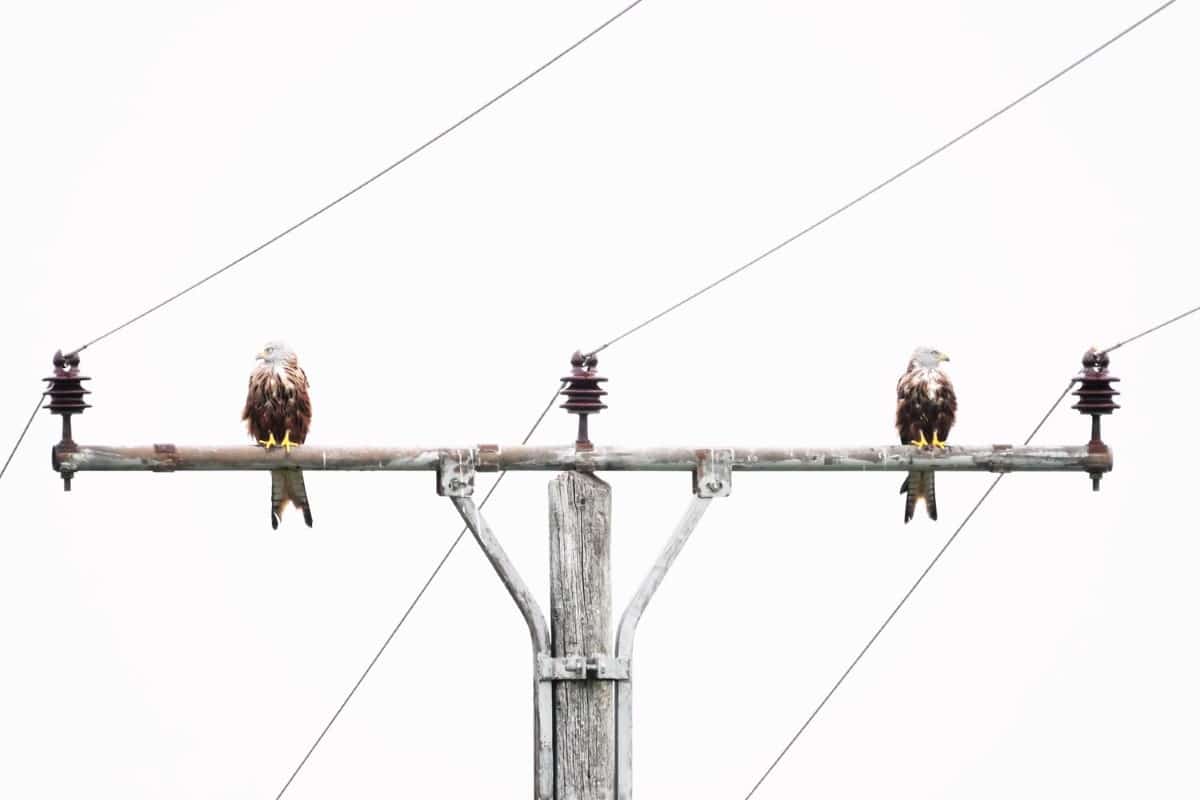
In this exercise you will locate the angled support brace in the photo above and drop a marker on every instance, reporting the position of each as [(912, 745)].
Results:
[(712, 478), (456, 480)]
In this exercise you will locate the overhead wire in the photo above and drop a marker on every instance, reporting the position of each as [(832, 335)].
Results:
[(21, 438), (887, 620), (437, 569), (882, 184), (364, 184), (845, 207), (1148, 331), (340, 198), (756, 260)]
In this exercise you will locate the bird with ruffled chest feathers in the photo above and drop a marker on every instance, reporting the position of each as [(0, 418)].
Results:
[(925, 409), (278, 413)]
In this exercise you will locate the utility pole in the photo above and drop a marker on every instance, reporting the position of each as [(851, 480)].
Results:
[(582, 684), (581, 629)]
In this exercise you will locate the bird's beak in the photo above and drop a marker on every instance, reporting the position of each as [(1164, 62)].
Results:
[(943, 357), (261, 356)]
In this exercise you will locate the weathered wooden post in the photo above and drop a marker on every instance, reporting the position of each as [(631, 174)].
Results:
[(581, 632)]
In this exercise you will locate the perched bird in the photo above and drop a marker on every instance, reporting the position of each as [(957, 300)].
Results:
[(925, 408), (278, 413)]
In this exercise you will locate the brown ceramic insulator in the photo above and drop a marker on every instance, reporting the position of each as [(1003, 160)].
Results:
[(1095, 395), (1095, 390), (66, 395), (583, 391), (66, 390)]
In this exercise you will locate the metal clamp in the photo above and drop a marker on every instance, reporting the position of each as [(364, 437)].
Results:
[(713, 476), (598, 666), (456, 474), (169, 456)]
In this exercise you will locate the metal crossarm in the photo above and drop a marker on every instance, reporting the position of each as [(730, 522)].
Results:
[(69, 458), (582, 674)]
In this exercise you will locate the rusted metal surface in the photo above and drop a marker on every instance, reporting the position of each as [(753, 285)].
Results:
[(583, 393), (892, 458)]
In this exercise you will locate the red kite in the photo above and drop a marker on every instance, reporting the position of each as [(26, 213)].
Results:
[(278, 413), (925, 405)]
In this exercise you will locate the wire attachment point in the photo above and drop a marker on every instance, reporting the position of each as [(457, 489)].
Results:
[(583, 394), (66, 395), (1096, 395)]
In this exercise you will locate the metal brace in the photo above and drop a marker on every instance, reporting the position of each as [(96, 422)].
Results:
[(713, 476), (456, 474), (598, 666)]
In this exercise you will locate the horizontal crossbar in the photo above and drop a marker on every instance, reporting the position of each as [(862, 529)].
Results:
[(1096, 458)]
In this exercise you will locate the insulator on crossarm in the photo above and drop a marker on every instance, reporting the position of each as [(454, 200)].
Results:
[(583, 393), (66, 395), (1096, 395)]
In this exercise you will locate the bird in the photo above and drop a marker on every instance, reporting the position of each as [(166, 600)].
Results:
[(925, 407), (277, 414)]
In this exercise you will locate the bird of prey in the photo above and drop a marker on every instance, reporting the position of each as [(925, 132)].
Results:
[(277, 414), (925, 408)]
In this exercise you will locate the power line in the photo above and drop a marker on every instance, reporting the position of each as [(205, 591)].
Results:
[(713, 285), (836, 212), (336, 201), (900, 605), (446, 131), (411, 606), (1124, 342), (937, 557), (21, 438)]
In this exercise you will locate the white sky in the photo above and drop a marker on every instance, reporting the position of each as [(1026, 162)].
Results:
[(161, 641)]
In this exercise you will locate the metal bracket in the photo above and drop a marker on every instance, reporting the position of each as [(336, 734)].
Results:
[(713, 476), (169, 455), (456, 474), (599, 667)]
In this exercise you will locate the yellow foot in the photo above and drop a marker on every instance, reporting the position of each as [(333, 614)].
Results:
[(269, 442), (940, 445), (287, 444), (920, 442)]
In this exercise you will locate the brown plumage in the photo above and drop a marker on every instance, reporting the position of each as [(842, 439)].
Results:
[(925, 409), (278, 412)]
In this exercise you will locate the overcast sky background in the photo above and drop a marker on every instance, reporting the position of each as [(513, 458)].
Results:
[(160, 640)]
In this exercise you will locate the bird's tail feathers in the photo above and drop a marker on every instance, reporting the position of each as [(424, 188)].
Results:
[(916, 486), (930, 497), (287, 486)]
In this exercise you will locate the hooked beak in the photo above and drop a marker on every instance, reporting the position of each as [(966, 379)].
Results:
[(260, 357), (943, 357)]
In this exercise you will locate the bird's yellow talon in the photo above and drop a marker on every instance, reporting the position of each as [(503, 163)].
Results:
[(922, 443), (940, 445), (287, 444), (269, 442)]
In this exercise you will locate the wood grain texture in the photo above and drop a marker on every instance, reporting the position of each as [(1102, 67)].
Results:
[(581, 624)]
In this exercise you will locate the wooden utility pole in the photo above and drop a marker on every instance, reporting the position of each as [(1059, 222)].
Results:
[(581, 626), (582, 682)]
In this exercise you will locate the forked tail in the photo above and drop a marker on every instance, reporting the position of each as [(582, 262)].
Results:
[(287, 486), (915, 486)]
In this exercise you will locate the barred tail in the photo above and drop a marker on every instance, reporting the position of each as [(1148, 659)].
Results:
[(919, 485), (930, 497), (287, 485)]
